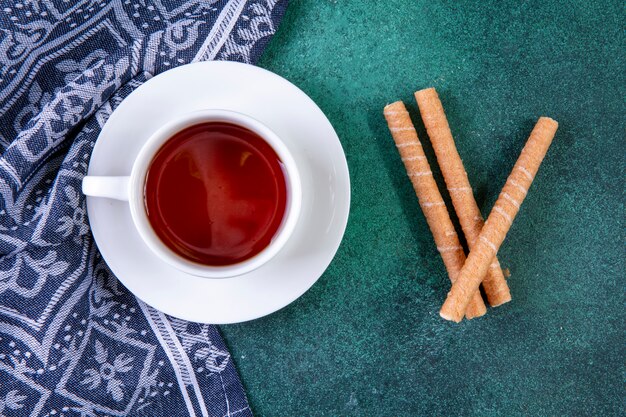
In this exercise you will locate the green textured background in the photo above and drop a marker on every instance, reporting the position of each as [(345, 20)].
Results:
[(367, 340)]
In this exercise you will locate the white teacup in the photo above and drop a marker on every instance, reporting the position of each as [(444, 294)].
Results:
[(131, 189)]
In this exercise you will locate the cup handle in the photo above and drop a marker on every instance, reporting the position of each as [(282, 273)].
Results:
[(108, 187)]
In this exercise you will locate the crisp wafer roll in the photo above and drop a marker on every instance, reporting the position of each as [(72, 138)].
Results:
[(499, 221), (459, 187), (430, 199)]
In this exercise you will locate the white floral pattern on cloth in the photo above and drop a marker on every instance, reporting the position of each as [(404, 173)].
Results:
[(12, 401), (73, 340), (108, 372)]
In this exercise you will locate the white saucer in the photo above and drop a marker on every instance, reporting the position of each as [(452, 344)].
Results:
[(325, 182)]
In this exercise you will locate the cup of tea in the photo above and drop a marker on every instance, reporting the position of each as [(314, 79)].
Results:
[(214, 193)]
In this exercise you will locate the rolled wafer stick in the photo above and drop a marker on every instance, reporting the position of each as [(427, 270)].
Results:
[(430, 199), (459, 187), (500, 219)]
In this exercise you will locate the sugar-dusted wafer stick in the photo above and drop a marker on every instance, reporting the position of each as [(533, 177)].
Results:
[(500, 219), (430, 199), (459, 187)]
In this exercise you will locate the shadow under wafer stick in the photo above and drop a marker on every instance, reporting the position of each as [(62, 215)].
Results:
[(500, 219), (459, 187), (433, 206)]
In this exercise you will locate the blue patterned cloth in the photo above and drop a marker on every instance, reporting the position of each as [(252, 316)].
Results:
[(73, 340)]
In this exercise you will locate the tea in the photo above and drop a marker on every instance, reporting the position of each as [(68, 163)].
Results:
[(215, 193)]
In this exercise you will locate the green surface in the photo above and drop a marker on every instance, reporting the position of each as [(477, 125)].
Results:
[(367, 340)]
